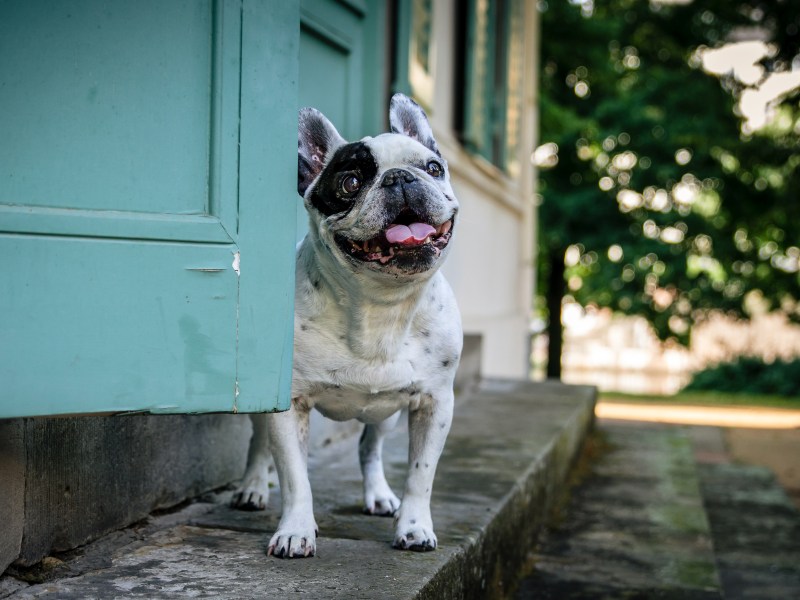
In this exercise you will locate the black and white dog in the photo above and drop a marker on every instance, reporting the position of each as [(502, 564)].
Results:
[(376, 327)]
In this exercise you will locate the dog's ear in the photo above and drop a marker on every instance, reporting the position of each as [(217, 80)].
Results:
[(408, 118), (317, 138)]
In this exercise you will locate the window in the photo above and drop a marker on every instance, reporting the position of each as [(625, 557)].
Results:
[(490, 47), (413, 62)]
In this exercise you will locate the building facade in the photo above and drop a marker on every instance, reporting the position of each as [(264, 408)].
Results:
[(149, 213)]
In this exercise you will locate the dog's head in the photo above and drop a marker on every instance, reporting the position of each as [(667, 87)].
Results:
[(381, 205)]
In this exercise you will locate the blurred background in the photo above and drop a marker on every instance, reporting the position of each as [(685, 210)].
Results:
[(669, 196)]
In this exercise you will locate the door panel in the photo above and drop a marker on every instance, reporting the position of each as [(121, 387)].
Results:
[(110, 129), (341, 63), (74, 105), (77, 316), (323, 60)]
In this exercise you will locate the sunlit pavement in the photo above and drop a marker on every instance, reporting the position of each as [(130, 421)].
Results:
[(714, 416)]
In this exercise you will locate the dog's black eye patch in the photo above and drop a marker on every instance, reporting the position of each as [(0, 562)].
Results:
[(327, 196)]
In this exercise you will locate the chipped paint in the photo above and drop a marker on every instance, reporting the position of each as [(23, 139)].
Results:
[(236, 263)]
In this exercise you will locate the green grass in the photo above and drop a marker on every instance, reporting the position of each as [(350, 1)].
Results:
[(705, 399)]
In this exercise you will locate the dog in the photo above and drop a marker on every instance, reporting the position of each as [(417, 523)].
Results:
[(376, 326)]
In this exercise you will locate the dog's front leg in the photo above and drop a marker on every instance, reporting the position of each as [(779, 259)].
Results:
[(379, 499), (288, 436), (428, 425)]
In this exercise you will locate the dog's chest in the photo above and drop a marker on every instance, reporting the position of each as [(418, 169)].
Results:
[(343, 386)]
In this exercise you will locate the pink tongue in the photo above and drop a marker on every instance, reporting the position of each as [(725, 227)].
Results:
[(409, 235)]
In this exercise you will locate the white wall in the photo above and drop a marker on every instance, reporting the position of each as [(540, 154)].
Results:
[(491, 264)]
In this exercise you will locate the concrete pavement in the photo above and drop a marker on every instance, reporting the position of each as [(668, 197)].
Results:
[(506, 460)]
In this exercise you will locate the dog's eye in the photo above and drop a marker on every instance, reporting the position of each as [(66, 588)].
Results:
[(350, 184), (434, 169)]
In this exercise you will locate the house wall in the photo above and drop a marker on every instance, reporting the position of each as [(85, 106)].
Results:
[(491, 266)]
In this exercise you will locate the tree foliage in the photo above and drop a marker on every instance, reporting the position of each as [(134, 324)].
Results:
[(653, 194)]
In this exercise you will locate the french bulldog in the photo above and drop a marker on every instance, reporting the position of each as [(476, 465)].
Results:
[(376, 326)]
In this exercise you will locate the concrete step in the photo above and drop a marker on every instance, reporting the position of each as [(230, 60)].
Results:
[(755, 529), (634, 528), (506, 460)]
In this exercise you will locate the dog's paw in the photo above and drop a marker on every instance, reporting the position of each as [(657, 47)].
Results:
[(381, 501), (253, 494), (419, 539), (294, 540), (286, 545), (414, 533)]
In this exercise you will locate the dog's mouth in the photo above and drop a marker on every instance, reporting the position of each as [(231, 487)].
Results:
[(405, 237)]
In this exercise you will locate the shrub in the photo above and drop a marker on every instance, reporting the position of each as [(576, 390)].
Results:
[(752, 375)]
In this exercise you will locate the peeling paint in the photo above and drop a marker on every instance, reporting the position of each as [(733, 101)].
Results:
[(236, 263)]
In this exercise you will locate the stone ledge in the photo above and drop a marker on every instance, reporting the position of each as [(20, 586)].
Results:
[(508, 453)]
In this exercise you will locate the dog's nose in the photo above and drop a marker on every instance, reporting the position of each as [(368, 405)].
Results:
[(393, 176)]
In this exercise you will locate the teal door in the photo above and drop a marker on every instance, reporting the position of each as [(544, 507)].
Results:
[(147, 205), (343, 49)]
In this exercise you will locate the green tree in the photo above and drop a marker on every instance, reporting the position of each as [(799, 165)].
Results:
[(653, 201)]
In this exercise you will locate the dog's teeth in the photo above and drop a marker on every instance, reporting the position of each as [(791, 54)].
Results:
[(445, 227)]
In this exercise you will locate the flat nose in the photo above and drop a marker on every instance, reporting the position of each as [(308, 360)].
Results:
[(393, 176)]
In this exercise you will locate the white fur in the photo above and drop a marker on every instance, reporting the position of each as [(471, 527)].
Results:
[(367, 345)]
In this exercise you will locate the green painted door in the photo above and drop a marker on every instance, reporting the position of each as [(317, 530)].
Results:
[(343, 48), (147, 205)]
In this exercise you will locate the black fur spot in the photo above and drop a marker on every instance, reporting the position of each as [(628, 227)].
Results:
[(416, 466), (304, 327), (445, 363), (355, 157)]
